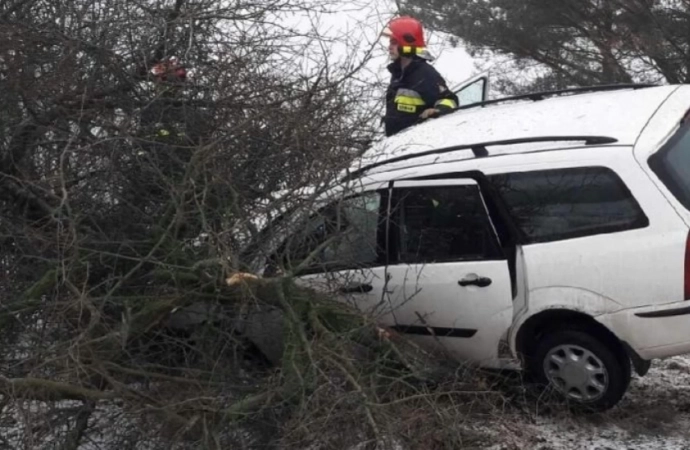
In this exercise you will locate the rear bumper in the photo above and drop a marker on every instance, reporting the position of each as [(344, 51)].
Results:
[(653, 331)]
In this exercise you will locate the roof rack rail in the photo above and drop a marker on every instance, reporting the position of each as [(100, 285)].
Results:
[(480, 150), (536, 96)]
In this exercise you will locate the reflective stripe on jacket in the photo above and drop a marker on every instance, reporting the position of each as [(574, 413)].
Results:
[(413, 90)]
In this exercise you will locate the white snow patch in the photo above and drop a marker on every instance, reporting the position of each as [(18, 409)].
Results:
[(654, 415)]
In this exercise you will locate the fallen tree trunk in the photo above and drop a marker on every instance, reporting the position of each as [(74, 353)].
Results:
[(49, 391)]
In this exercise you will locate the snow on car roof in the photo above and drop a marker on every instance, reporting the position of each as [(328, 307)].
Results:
[(620, 114)]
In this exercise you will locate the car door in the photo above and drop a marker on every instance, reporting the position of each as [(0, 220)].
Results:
[(448, 282), (473, 90), (341, 250)]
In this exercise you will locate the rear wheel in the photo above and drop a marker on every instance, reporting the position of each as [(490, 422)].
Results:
[(589, 371)]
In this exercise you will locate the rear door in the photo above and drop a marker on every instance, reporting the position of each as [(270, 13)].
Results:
[(448, 282)]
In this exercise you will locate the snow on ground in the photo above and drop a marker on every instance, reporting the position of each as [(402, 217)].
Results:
[(653, 415)]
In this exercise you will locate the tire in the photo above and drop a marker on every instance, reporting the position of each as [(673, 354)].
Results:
[(585, 368)]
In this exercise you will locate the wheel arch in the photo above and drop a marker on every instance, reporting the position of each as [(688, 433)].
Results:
[(551, 319)]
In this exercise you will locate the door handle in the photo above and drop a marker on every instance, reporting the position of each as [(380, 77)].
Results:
[(481, 282), (356, 288)]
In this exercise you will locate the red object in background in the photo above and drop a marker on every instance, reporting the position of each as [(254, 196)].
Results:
[(169, 70)]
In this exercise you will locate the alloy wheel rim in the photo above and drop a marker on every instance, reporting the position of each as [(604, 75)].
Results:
[(576, 372)]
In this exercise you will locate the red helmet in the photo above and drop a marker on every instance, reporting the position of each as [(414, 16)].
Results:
[(408, 33)]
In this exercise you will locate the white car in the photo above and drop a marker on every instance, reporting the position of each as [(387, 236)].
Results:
[(550, 229)]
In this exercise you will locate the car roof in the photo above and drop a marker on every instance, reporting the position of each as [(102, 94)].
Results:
[(612, 116)]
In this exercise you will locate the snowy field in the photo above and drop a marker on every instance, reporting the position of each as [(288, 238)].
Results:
[(653, 415)]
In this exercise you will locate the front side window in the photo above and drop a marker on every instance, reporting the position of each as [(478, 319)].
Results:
[(551, 205), (672, 165), (445, 223), (343, 235)]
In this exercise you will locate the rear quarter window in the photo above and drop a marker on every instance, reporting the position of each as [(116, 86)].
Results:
[(672, 165), (559, 204)]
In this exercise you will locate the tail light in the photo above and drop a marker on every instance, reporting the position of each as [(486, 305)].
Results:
[(687, 268)]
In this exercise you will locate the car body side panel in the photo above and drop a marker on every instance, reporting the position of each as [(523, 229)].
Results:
[(560, 298), (608, 273), (652, 337), (660, 129), (653, 257)]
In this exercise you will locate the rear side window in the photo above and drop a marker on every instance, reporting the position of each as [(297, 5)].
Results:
[(672, 165), (440, 224), (552, 205)]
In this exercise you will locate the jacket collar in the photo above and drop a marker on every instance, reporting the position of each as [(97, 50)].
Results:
[(396, 69)]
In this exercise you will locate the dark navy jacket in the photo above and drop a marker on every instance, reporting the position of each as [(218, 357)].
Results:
[(411, 91)]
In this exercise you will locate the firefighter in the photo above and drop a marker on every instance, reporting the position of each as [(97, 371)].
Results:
[(171, 129), (416, 91), (169, 77)]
